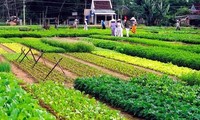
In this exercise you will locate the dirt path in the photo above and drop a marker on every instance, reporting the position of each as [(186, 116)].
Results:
[(20, 74), (98, 67)]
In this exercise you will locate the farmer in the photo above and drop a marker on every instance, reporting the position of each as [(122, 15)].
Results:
[(134, 25), (178, 26), (75, 23), (119, 30), (85, 25), (127, 27), (103, 24), (113, 27), (56, 23)]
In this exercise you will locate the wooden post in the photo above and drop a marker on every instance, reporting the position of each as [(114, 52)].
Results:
[(53, 67)]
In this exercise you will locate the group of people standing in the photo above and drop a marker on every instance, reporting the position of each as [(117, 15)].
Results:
[(117, 26)]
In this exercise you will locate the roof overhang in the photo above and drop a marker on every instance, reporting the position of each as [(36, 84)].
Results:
[(104, 12)]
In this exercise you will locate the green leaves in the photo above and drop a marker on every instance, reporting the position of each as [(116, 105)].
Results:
[(5, 67), (72, 104), (15, 103), (178, 57), (70, 46), (148, 96), (110, 64)]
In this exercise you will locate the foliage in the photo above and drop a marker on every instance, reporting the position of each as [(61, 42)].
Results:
[(2, 51), (149, 96), (113, 65), (151, 42), (192, 78), (71, 47), (167, 68), (15, 103), (5, 67), (72, 104), (4, 40), (78, 68), (37, 44), (169, 36), (178, 57), (16, 47)]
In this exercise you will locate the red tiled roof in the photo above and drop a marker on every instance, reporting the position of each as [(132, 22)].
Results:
[(197, 6), (102, 5)]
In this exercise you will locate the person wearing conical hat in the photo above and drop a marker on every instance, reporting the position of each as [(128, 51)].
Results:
[(113, 27), (134, 24), (85, 25)]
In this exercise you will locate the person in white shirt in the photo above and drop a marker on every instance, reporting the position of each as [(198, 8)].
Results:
[(85, 25), (119, 30), (113, 26), (178, 26)]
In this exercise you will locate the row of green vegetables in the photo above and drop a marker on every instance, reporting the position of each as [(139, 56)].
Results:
[(72, 104), (169, 36), (51, 33), (151, 42), (40, 70), (2, 51), (70, 46), (78, 68), (17, 104), (186, 74), (178, 57), (16, 47), (67, 103), (148, 96), (37, 44), (48, 45), (111, 64), (5, 66)]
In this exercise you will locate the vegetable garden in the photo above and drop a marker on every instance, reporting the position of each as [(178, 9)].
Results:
[(86, 75)]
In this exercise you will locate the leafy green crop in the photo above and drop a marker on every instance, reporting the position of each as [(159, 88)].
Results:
[(69, 46), (74, 66), (186, 74), (16, 104), (5, 67), (72, 104), (152, 42), (149, 96), (178, 57), (114, 65), (37, 44)]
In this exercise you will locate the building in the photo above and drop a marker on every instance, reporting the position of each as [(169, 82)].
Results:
[(193, 18), (100, 10)]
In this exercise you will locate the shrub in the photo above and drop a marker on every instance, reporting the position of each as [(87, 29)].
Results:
[(70, 47), (5, 67), (192, 78)]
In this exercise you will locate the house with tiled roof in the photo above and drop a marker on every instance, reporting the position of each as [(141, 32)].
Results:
[(100, 10), (195, 9), (194, 17)]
